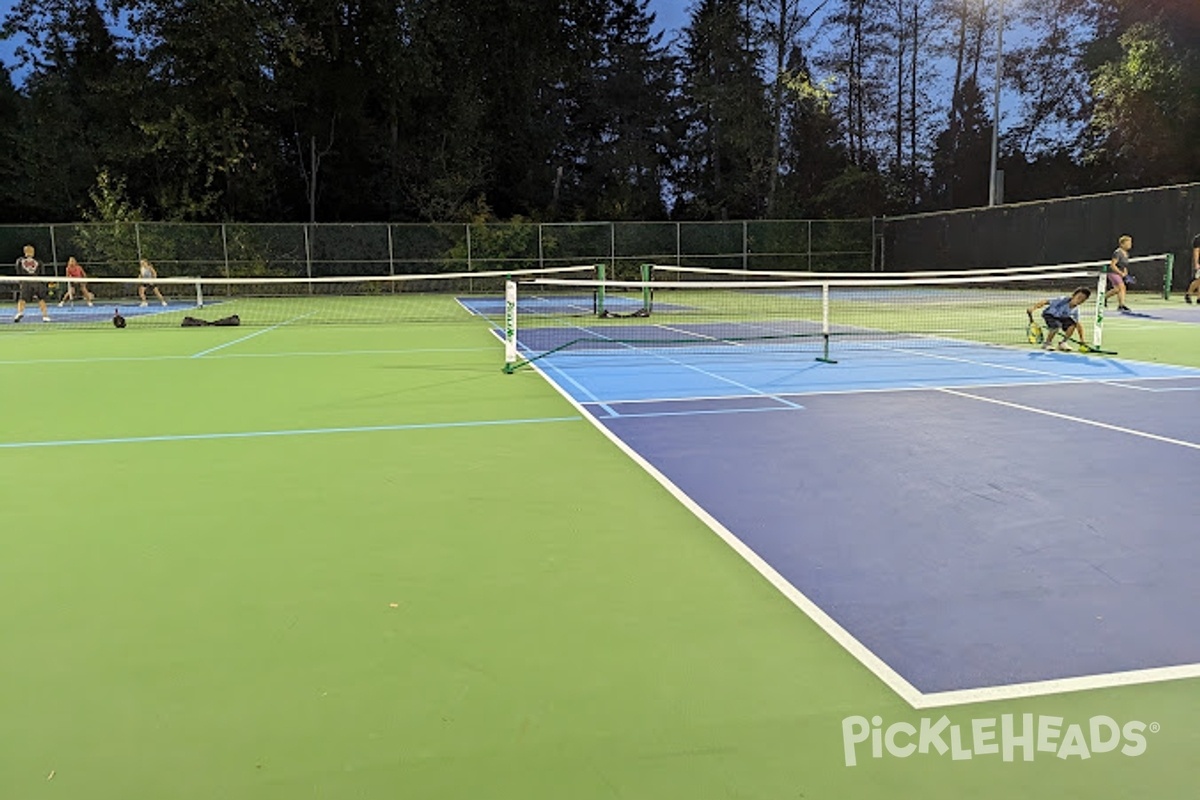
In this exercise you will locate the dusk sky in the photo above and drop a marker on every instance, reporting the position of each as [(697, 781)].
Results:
[(668, 14)]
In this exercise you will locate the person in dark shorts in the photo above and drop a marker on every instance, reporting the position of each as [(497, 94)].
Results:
[(1062, 315), (146, 274), (29, 267), (1194, 287), (1118, 272)]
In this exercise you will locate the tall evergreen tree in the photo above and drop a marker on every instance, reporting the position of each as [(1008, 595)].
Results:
[(620, 120), (75, 118), (724, 163)]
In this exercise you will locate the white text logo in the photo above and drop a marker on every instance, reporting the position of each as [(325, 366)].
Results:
[(1009, 736)]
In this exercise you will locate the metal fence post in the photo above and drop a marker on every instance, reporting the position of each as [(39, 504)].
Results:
[(612, 246), (225, 248), (308, 256), (745, 244), (53, 250), (809, 246), (391, 251)]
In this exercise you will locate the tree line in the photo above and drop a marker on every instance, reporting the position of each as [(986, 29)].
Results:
[(453, 110)]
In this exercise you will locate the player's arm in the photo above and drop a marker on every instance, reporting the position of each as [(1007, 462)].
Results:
[(1029, 311), (1076, 331)]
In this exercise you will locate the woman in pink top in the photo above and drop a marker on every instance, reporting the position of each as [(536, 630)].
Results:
[(74, 272)]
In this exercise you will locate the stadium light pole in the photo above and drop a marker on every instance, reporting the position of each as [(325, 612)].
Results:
[(994, 177)]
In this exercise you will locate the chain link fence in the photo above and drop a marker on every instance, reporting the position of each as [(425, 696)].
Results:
[(325, 250), (1070, 230)]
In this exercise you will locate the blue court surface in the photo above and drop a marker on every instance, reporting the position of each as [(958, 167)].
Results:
[(968, 520), (81, 312)]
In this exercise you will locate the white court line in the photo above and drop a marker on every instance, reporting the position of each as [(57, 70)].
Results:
[(1156, 390), (695, 335), (857, 649), (876, 665), (250, 336), (1062, 381), (685, 365), (1016, 691), (1070, 418)]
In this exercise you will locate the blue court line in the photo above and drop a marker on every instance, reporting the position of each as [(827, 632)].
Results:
[(285, 354), (186, 437), (250, 336)]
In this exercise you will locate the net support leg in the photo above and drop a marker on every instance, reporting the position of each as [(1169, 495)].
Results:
[(600, 276), (824, 357), (646, 297)]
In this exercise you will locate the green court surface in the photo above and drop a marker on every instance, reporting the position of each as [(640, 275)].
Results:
[(362, 562)]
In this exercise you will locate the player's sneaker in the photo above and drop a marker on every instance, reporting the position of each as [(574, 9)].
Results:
[(17, 318), (45, 319), (143, 304), (164, 302), (1187, 298), (89, 303), (1124, 308)]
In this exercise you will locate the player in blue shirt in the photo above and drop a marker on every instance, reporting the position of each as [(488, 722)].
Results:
[(1062, 314)]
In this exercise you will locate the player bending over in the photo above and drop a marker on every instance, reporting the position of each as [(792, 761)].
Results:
[(1062, 314)]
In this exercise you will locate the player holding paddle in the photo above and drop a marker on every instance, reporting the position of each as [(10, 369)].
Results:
[(75, 271), (1062, 315), (146, 274), (30, 267), (1118, 272)]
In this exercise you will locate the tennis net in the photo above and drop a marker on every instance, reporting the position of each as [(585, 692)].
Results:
[(273, 301), (1148, 274), (812, 313)]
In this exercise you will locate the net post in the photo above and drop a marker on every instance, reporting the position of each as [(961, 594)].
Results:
[(199, 294), (599, 299), (1168, 275), (824, 357), (1098, 323), (510, 325), (647, 299)]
